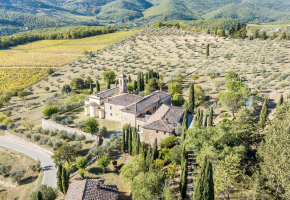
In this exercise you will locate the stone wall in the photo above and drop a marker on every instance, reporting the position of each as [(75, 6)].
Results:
[(49, 125), (113, 112), (150, 135), (19, 140)]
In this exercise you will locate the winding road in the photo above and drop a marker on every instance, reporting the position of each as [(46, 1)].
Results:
[(49, 177)]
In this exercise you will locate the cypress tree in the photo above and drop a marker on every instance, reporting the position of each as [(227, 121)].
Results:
[(109, 85), (65, 182), (135, 85), (207, 50), (129, 140), (280, 100), (116, 83), (155, 150), (138, 144), (97, 87), (191, 103), (148, 158), (184, 180), (59, 177), (238, 27), (264, 113), (123, 141), (204, 187), (185, 122), (125, 128), (215, 32), (205, 121), (200, 117), (129, 79), (210, 119), (142, 82), (143, 151), (147, 78), (91, 88), (39, 196)]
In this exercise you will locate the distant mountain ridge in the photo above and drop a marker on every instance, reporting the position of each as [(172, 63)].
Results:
[(146, 11)]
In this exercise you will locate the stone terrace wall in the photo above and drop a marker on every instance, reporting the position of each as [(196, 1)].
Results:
[(17, 139), (49, 125)]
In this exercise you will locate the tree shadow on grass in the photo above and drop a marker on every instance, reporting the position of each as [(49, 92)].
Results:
[(28, 180), (123, 196)]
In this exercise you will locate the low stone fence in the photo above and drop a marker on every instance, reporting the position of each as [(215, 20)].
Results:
[(49, 125), (19, 140)]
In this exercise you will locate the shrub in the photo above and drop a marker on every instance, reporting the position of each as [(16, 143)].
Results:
[(225, 115), (39, 129), (45, 132), (80, 138), (9, 113), (164, 154), (56, 144), (77, 83), (8, 121), (114, 162), (77, 145), (55, 117), (168, 142), (49, 71), (28, 135), (52, 133), (62, 135), (5, 169), (35, 167), (43, 140), (72, 136), (50, 110), (82, 163), (49, 144), (47, 192), (175, 154), (17, 175), (65, 89), (2, 117), (35, 137)]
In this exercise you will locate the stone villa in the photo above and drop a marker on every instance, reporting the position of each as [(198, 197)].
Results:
[(152, 115)]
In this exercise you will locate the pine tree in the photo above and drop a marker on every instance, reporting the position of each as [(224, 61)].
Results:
[(264, 113), (123, 141), (280, 100), (207, 50), (204, 187), (155, 150), (65, 182), (39, 196), (59, 177), (205, 121), (91, 88), (129, 79), (191, 103), (210, 119), (109, 85), (97, 87), (185, 122)]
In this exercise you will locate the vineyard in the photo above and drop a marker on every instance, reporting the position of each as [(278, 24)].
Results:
[(19, 77), (18, 59), (75, 46)]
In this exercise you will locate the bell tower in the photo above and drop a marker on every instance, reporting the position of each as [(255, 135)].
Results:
[(123, 83)]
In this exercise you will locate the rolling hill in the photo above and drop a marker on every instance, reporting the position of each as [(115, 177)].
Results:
[(112, 12)]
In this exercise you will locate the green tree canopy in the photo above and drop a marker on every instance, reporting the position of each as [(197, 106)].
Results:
[(103, 162), (65, 153), (175, 88), (109, 76), (91, 125), (77, 83), (232, 100)]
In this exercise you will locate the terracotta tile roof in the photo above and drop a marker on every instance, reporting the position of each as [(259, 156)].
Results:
[(107, 93), (124, 99), (165, 118), (143, 117), (91, 189), (146, 102)]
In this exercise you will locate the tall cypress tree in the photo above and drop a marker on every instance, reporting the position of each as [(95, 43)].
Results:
[(207, 50), (185, 122), (97, 87), (142, 82), (184, 180), (264, 114), (280, 100), (39, 196), (65, 182), (129, 140), (129, 79), (155, 150), (91, 87), (59, 177), (116, 83), (148, 158), (204, 187), (125, 129), (123, 141), (135, 85), (200, 117), (205, 121), (210, 119), (191, 103), (138, 144)]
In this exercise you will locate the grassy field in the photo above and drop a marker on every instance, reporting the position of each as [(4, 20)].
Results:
[(20, 59), (29, 182), (75, 46), (15, 77)]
